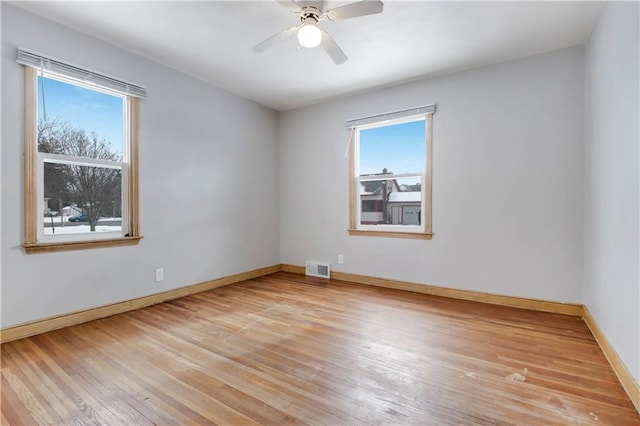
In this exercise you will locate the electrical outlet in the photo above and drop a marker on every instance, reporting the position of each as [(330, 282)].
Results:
[(340, 259), (159, 274)]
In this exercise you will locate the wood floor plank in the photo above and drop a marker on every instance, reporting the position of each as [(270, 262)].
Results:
[(284, 349), (11, 415), (144, 398), (15, 409), (171, 389), (74, 366), (236, 373), (38, 388)]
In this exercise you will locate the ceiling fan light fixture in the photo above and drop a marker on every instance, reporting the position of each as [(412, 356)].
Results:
[(309, 35)]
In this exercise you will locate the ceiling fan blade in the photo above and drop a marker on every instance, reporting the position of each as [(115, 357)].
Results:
[(282, 35), (332, 48), (290, 5), (353, 10)]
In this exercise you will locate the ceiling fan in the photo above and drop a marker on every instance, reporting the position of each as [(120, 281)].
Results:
[(308, 32)]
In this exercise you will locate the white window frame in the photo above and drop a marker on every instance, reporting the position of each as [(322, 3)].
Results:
[(85, 236), (35, 239), (422, 231), (43, 157)]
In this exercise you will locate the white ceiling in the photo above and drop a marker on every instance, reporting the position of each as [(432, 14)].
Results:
[(212, 40)]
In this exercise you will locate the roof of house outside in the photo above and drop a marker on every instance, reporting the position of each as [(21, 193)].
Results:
[(405, 197), (371, 187), (374, 187)]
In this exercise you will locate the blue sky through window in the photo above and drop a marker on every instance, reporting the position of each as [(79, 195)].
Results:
[(93, 111), (400, 148)]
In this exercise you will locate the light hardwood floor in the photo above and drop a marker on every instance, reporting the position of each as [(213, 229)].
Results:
[(285, 349)]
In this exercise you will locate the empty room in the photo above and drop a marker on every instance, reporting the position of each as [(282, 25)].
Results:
[(317, 212)]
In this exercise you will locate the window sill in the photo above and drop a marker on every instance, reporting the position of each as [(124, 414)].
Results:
[(79, 245), (391, 234)]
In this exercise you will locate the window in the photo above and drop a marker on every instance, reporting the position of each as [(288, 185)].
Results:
[(391, 175), (371, 205), (80, 160)]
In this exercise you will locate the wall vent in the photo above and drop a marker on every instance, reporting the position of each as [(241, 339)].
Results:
[(317, 269)]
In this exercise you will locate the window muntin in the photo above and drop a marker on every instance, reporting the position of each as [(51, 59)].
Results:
[(391, 190)]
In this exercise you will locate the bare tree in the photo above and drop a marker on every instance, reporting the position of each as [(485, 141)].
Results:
[(94, 189), (56, 188)]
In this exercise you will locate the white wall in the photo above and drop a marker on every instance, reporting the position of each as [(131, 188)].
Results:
[(507, 183), (202, 149), (611, 231)]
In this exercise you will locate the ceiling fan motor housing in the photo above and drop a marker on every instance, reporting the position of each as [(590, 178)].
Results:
[(310, 12)]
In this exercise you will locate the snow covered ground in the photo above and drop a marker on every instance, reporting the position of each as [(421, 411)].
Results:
[(56, 219), (80, 229)]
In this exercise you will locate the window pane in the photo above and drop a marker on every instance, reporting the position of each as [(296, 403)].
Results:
[(81, 199), (391, 201), (398, 148), (77, 121)]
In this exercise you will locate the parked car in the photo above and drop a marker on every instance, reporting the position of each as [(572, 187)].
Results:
[(81, 218)]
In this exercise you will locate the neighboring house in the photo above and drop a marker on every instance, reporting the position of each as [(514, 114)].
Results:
[(384, 201), (373, 196), (47, 209), (71, 211), (404, 208)]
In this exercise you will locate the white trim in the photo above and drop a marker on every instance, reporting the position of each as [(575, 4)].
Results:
[(124, 202), (409, 229), (84, 236), (126, 158), (40, 199), (79, 161), (52, 75), (123, 166), (389, 176), (126, 125)]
